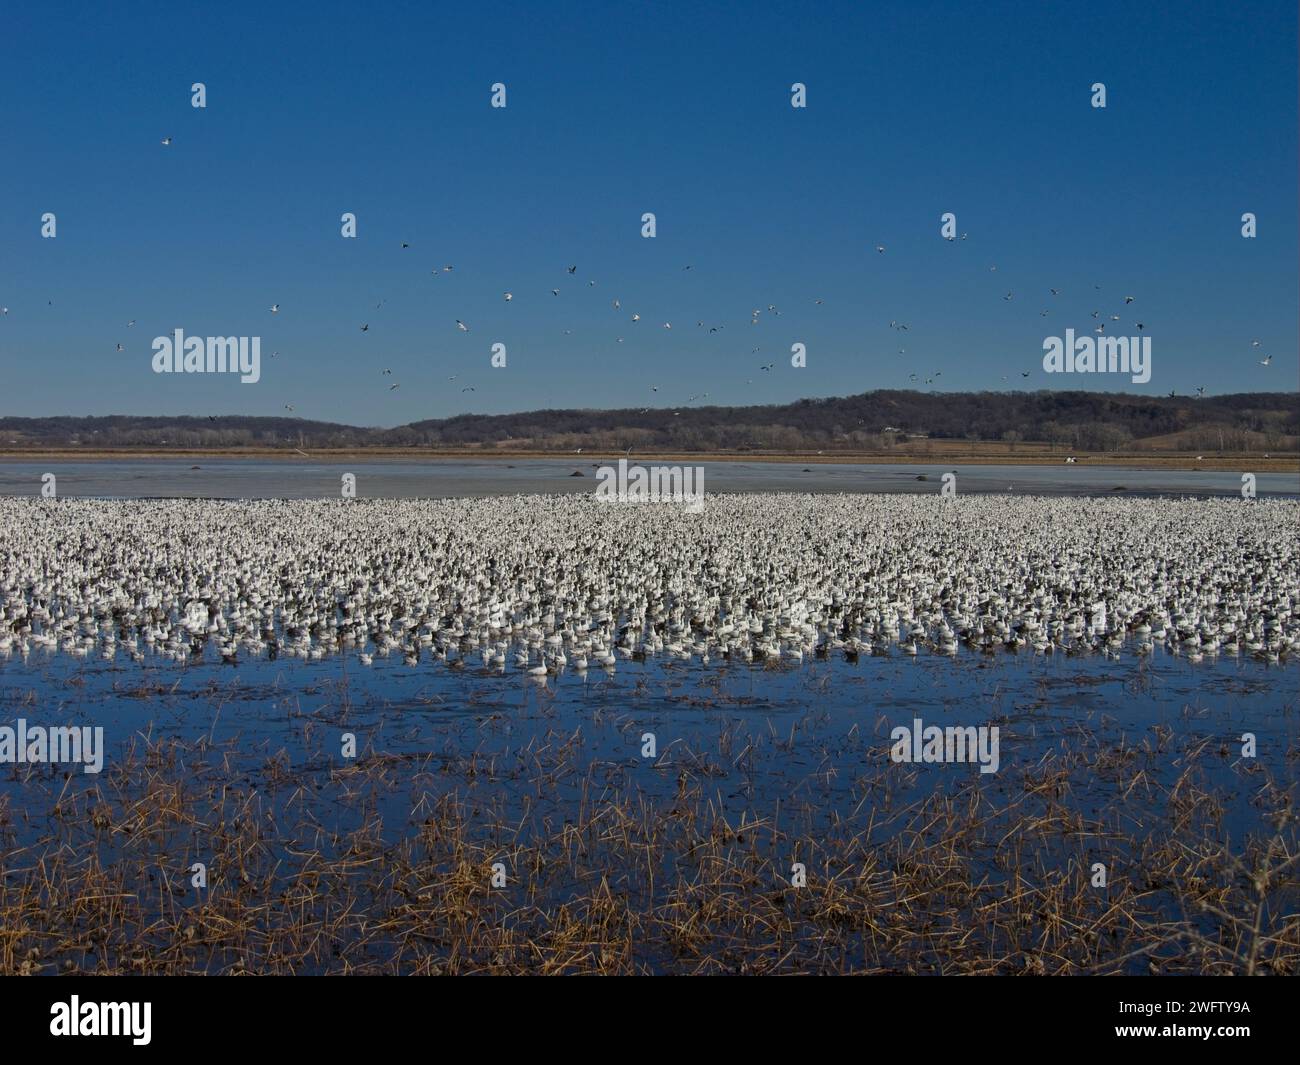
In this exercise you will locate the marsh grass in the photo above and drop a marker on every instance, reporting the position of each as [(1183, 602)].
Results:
[(383, 865)]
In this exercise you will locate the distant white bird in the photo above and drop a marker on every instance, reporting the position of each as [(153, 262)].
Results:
[(1266, 360), (128, 324), (1128, 299), (636, 318), (1009, 296), (555, 292), (394, 388), (668, 325), (288, 406), (275, 308), (468, 388), (617, 305), (366, 328), (166, 141), (509, 296), (462, 326), (880, 248), (119, 347)]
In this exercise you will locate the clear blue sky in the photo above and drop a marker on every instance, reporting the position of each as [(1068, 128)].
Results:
[(382, 109)]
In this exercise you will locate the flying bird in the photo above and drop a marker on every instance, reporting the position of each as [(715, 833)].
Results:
[(462, 326)]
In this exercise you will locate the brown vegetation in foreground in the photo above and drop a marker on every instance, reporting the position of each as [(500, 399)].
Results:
[(983, 880)]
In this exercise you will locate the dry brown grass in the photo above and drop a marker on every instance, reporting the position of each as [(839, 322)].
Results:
[(306, 875)]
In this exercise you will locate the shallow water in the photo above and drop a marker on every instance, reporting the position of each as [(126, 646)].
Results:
[(241, 765), (307, 478)]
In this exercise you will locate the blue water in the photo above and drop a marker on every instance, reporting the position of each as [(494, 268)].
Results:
[(307, 478)]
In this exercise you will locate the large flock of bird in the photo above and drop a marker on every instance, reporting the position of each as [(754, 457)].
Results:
[(540, 584), (633, 319)]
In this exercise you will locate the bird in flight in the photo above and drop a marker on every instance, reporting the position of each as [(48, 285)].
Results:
[(275, 308), (462, 326), (509, 296), (166, 141)]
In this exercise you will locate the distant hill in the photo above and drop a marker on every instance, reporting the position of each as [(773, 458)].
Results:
[(872, 421)]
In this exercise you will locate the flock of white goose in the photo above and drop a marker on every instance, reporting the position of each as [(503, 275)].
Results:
[(538, 584)]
